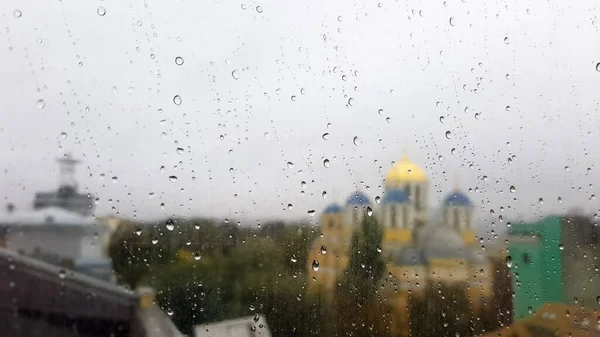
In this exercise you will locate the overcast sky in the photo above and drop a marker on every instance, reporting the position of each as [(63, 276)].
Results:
[(260, 83)]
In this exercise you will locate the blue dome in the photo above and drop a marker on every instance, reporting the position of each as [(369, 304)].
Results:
[(357, 199), (396, 196), (457, 199), (333, 208)]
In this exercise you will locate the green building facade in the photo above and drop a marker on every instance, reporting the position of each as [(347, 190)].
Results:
[(554, 260)]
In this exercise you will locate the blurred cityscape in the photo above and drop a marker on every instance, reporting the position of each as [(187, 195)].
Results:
[(389, 266)]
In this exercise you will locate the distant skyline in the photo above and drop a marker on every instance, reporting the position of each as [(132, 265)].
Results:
[(510, 87)]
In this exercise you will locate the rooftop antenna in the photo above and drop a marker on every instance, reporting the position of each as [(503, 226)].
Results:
[(67, 166)]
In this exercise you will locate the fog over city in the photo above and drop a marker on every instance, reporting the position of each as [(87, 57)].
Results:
[(166, 104)]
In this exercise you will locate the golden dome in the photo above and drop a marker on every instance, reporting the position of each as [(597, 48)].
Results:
[(405, 171)]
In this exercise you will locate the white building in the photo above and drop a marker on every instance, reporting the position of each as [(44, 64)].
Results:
[(60, 237)]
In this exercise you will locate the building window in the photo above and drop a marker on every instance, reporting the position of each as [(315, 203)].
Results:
[(456, 218)]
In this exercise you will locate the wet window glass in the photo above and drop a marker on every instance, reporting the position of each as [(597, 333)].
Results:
[(388, 168)]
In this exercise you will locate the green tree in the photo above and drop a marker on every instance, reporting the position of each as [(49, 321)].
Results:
[(442, 311), (366, 264), (358, 308)]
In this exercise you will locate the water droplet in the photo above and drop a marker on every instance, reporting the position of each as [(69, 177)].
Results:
[(356, 141), (380, 112), (115, 179), (101, 11), (377, 199), (197, 256), (339, 18), (379, 249), (294, 259), (259, 9), (387, 119), (442, 119), (62, 274), (17, 13), (170, 312), (541, 201), (302, 91), (311, 212), (350, 101), (290, 206), (323, 250), (561, 247), (235, 74), (506, 40), (448, 134), (63, 135), (170, 225), (172, 179), (559, 200), (508, 108), (179, 60), (452, 151), (293, 98), (302, 184), (598, 66), (324, 195), (325, 136), (315, 265), (326, 163), (40, 103), (508, 261), (290, 164), (180, 150), (369, 211), (177, 100), (154, 241), (512, 189), (452, 23)]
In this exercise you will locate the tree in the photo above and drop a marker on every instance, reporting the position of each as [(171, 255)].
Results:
[(442, 310), (366, 264), (360, 311)]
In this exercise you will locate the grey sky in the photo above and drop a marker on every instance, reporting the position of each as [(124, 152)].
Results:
[(401, 57)]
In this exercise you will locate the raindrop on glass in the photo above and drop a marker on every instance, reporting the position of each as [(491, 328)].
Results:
[(506, 40), (170, 225), (512, 189), (315, 265), (40, 103), (377, 199), (172, 179), (259, 9), (508, 261), (177, 100), (452, 23), (63, 135), (323, 250), (179, 60), (235, 74), (356, 141), (324, 195), (17, 13), (350, 101), (290, 164), (325, 136), (448, 134), (326, 163), (101, 11)]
